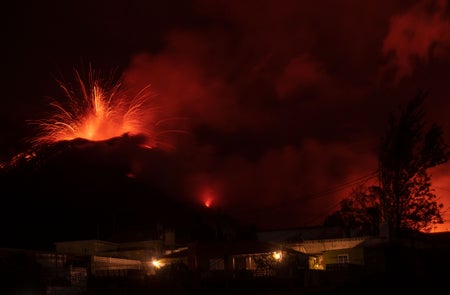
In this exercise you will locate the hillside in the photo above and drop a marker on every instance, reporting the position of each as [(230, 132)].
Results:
[(81, 189)]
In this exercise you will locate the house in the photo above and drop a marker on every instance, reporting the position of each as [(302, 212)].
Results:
[(43, 272), (339, 259), (108, 259), (236, 259)]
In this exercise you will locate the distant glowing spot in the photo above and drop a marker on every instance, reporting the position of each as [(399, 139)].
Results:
[(131, 175), (277, 256), (208, 202), (30, 156), (208, 197)]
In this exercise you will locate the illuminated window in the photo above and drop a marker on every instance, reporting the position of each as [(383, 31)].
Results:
[(342, 259), (250, 263)]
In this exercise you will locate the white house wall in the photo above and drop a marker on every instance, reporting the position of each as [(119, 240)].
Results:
[(319, 246)]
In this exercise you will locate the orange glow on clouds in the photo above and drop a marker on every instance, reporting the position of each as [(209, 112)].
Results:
[(96, 112), (441, 188)]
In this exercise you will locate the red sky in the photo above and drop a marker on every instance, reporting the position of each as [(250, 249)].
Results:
[(283, 102)]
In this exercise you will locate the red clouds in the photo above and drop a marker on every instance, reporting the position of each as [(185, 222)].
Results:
[(279, 100), (271, 105), (416, 35), (302, 72)]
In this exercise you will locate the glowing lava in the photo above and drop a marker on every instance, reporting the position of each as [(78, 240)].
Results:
[(208, 197), (207, 202), (96, 112)]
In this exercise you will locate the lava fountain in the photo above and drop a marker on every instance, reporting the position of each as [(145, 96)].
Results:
[(98, 111)]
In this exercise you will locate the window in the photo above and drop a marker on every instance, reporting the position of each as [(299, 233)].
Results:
[(342, 259), (216, 264)]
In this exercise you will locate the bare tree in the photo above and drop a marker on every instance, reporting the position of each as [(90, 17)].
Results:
[(407, 150)]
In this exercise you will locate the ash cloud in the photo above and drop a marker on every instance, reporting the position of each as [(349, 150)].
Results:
[(284, 100)]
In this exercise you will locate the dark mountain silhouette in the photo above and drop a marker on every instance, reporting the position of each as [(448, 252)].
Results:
[(81, 189)]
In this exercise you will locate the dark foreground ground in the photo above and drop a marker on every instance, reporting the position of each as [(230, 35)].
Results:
[(261, 286)]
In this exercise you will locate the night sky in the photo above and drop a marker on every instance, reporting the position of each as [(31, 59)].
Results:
[(272, 109)]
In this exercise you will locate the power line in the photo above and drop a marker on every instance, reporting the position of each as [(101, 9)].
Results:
[(345, 185), (336, 204), (321, 215), (311, 196)]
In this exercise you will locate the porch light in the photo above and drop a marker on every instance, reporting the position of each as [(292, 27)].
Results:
[(277, 255)]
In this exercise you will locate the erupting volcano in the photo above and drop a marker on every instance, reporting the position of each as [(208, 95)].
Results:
[(98, 161), (97, 112)]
